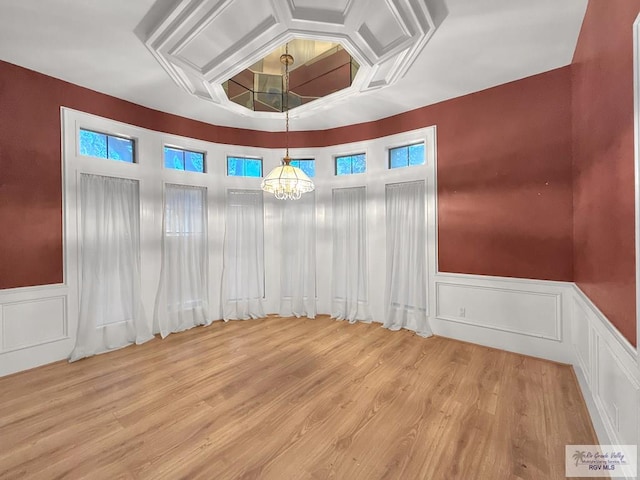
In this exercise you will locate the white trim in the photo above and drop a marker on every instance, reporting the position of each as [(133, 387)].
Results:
[(609, 376), (434, 200), (594, 411), (636, 169), (465, 277), (507, 328), (556, 296), (32, 289), (605, 324), (605, 362), (63, 180), (65, 323)]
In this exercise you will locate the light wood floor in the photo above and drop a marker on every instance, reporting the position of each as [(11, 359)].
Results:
[(293, 398)]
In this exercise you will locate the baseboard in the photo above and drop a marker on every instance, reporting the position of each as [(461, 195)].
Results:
[(555, 321)]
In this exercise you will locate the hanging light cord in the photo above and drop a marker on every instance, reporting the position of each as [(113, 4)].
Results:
[(285, 181), (287, 60)]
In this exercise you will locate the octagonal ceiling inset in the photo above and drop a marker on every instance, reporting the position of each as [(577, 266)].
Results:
[(318, 69), (203, 43)]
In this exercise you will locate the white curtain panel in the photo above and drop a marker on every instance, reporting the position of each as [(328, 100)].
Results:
[(298, 257), (182, 300), (406, 283), (111, 314), (349, 275), (243, 269)]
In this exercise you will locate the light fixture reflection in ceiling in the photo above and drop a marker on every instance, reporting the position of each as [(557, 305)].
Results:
[(285, 181)]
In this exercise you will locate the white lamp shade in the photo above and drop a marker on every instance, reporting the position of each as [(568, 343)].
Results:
[(287, 182)]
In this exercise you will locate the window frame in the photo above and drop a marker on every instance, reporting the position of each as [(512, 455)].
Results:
[(244, 157), (183, 150), (305, 159), (349, 155), (133, 140), (407, 146)]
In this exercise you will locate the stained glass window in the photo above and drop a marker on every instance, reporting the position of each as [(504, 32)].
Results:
[(244, 167), (307, 165), (406, 156), (179, 159), (102, 145), (348, 164)]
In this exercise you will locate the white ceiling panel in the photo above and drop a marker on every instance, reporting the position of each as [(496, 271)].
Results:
[(477, 44)]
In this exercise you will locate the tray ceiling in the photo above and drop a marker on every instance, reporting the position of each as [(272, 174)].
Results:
[(173, 56)]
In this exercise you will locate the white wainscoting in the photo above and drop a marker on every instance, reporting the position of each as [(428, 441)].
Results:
[(607, 368), (34, 327), (518, 315), (555, 321)]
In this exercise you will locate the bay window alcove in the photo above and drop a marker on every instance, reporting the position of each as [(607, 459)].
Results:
[(246, 254)]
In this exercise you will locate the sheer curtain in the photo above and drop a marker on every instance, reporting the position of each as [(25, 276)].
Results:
[(349, 282), (243, 269), (182, 295), (406, 284), (298, 261), (111, 314)]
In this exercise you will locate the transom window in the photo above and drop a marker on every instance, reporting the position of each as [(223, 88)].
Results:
[(348, 164), (103, 145), (406, 156), (244, 167), (307, 165), (180, 159)]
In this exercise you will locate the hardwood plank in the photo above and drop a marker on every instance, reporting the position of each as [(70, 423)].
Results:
[(287, 398)]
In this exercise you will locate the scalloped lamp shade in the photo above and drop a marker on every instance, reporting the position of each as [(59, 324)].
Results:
[(287, 182)]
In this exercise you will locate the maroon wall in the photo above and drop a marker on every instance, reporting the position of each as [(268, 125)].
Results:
[(30, 164), (504, 176), (504, 171), (504, 180), (603, 156)]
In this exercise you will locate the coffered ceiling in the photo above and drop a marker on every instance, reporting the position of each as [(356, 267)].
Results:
[(203, 43), (174, 55)]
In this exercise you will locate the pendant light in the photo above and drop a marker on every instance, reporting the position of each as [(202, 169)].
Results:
[(285, 181)]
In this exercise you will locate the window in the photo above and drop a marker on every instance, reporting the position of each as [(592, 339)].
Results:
[(348, 164), (182, 294), (406, 156), (101, 145), (244, 167), (243, 279), (406, 282), (349, 284), (307, 165), (110, 314), (179, 159)]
